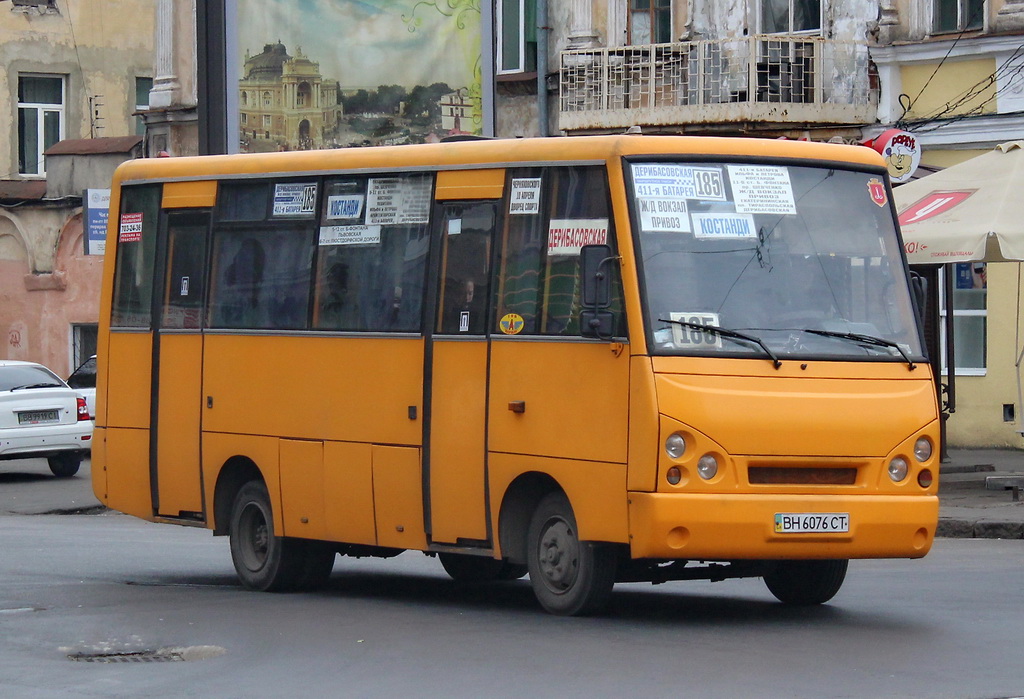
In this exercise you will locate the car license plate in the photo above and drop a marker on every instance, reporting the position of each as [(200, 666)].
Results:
[(38, 417), (812, 522)]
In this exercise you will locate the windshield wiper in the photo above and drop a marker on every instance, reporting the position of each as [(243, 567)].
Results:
[(866, 340), (731, 334), (37, 385)]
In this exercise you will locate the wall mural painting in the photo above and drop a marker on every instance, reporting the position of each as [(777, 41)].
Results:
[(339, 73)]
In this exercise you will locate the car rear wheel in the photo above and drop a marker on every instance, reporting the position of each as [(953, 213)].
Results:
[(65, 465)]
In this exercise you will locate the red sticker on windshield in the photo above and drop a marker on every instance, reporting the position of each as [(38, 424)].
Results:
[(876, 188)]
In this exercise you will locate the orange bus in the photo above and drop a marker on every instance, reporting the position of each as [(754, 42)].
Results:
[(594, 360)]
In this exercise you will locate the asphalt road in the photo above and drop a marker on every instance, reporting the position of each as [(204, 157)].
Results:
[(94, 586)]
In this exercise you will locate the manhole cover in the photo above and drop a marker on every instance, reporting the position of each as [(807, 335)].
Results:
[(161, 655)]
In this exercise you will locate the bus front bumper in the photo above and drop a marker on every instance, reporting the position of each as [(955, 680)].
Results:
[(733, 526)]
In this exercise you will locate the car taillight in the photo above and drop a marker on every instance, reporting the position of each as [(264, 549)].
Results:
[(83, 410)]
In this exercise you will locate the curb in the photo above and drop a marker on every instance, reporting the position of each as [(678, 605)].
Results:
[(979, 529)]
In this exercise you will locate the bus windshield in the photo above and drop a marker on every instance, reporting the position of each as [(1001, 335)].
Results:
[(796, 261)]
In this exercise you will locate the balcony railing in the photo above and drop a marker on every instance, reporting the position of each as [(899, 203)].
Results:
[(769, 78)]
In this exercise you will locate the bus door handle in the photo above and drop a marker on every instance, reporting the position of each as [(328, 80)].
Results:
[(517, 406)]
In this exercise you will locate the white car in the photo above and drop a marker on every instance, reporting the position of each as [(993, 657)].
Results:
[(83, 380), (42, 417)]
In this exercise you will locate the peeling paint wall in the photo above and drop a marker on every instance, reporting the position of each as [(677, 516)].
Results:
[(100, 47)]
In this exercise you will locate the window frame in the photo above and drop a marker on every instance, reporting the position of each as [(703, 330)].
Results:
[(523, 34), (657, 11), (790, 31), (140, 122), (963, 17), (41, 109), (960, 313)]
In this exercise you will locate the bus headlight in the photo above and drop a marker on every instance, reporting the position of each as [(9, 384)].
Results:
[(675, 445), (898, 469), (923, 449), (707, 466)]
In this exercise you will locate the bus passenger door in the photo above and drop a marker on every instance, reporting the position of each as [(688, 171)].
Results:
[(178, 362), (458, 376)]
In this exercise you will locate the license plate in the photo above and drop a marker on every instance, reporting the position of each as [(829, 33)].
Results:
[(812, 522), (38, 417)]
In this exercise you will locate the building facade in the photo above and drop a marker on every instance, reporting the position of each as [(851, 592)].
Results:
[(69, 71)]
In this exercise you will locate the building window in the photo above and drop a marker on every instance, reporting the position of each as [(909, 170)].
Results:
[(142, 88), (83, 342), (517, 36), (40, 119), (650, 22), (790, 16), (266, 121), (970, 318), (957, 15)]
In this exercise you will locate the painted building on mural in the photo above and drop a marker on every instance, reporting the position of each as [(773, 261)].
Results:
[(69, 71), (285, 103)]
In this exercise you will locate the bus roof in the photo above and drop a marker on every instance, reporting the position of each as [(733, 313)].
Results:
[(485, 153)]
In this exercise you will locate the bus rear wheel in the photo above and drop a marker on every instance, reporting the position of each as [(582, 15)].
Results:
[(479, 569), (569, 577), (806, 582), (270, 563)]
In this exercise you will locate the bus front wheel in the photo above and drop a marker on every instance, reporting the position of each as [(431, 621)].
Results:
[(268, 562), (569, 577), (806, 582)]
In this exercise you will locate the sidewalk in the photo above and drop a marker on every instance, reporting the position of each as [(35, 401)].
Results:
[(966, 508)]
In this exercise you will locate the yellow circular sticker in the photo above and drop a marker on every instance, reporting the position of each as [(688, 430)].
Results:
[(511, 323)]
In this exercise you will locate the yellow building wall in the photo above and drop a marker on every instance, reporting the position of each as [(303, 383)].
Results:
[(978, 421), (953, 81)]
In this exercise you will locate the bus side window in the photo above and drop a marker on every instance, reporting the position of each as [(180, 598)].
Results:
[(261, 277), (539, 268), (136, 253), (370, 276), (467, 230)]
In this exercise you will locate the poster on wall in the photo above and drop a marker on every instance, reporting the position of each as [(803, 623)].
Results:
[(314, 74)]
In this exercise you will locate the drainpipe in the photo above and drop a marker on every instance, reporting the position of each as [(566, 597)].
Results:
[(542, 66)]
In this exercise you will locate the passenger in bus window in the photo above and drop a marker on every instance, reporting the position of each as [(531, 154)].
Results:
[(243, 278), (339, 308)]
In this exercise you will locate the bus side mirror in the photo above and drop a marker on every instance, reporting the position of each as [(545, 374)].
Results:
[(919, 287), (596, 292), (597, 282)]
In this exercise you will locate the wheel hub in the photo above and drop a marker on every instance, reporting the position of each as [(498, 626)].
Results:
[(559, 555)]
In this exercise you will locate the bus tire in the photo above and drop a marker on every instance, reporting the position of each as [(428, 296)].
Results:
[(64, 465), (806, 582), (479, 569), (263, 561), (569, 577), (317, 564)]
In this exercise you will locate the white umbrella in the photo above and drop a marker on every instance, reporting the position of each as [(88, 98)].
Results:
[(971, 211)]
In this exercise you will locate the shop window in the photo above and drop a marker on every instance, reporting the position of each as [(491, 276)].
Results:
[(970, 318)]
